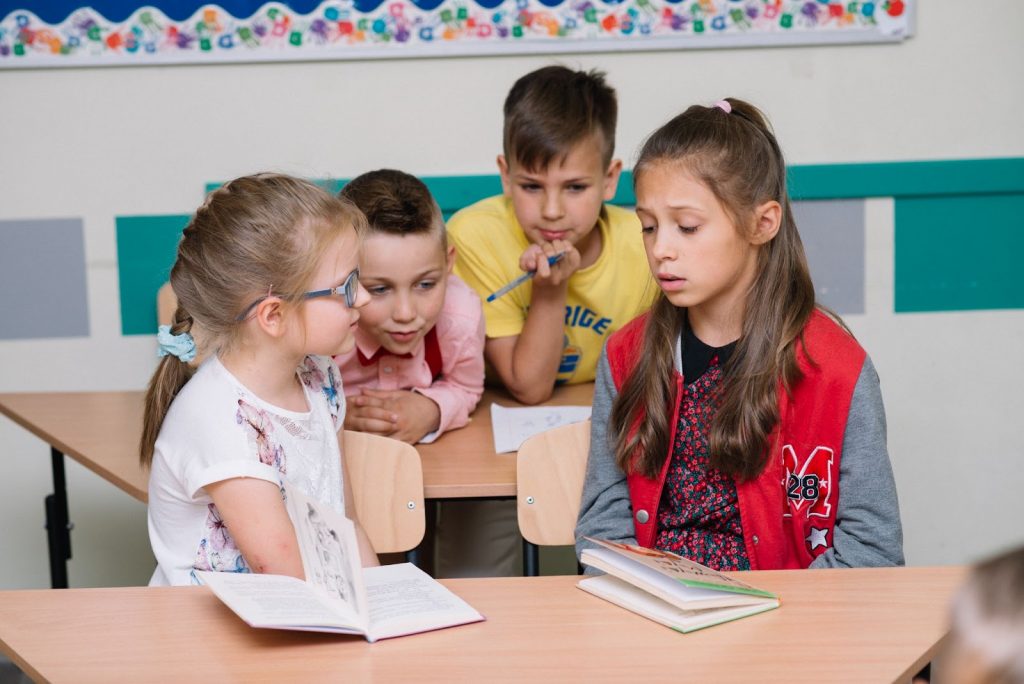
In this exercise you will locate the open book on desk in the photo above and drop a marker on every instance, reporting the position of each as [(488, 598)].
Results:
[(668, 588), (338, 594)]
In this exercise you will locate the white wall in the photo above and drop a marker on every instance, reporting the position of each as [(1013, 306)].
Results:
[(95, 143)]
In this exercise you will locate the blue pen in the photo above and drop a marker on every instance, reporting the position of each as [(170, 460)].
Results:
[(553, 259)]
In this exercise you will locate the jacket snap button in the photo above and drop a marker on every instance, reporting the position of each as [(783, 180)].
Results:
[(642, 516), (755, 540)]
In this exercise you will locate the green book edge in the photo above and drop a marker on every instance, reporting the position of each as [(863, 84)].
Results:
[(732, 590)]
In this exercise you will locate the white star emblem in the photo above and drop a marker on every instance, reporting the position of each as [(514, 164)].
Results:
[(817, 538)]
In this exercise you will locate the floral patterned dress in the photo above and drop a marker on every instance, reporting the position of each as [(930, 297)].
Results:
[(216, 430), (698, 516)]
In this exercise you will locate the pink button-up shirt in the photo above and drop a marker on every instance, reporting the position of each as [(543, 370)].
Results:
[(460, 335)]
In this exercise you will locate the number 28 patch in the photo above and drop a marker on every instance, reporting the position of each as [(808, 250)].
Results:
[(808, 481)]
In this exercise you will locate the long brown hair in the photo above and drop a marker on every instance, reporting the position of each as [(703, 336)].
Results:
[(735, 155), (253, 234)]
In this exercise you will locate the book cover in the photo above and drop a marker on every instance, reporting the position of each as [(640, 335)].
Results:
[(670, 589)]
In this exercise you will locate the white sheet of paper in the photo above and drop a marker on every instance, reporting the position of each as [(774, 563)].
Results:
[(513, 426)]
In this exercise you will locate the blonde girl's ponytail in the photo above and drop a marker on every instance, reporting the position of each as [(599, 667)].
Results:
[(171, 375)]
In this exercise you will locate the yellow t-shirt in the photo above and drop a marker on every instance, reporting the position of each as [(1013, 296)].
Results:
[(601, 298)]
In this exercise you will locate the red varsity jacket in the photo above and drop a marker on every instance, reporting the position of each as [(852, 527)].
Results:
[(788, 512)]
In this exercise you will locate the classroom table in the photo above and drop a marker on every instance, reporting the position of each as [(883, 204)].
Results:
[(462, 464), (101, 430), (862, 625)]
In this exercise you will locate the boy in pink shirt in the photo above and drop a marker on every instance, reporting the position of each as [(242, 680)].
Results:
[(417, 369)]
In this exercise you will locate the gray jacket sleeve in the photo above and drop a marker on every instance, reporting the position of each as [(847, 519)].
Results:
[(868, 532), (605, 508)]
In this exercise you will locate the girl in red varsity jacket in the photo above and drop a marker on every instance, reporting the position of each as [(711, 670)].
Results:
[(736, 423)]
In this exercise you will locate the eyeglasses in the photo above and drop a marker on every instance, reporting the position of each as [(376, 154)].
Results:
[(348, 289)]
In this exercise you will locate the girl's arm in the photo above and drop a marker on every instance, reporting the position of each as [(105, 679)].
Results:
[(253, 512), (366, 552), (868, 532), (606, 511)]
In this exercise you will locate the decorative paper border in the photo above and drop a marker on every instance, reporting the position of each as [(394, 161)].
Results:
[(353, 29)]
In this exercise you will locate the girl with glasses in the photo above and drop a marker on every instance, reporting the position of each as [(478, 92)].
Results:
[(267, 268)]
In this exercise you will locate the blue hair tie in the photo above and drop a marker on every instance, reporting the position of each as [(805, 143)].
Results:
[(182, 346)]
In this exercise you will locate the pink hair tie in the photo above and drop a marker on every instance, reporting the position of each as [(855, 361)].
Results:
[(724, 106)]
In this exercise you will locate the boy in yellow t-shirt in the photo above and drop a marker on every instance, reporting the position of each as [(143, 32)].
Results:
[(557, 171)]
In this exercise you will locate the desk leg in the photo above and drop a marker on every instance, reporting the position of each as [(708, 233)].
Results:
[(531, 559), (58, 528)]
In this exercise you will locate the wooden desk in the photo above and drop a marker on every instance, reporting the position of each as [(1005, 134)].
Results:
[(870, 625), (462, 464), (101, 431)]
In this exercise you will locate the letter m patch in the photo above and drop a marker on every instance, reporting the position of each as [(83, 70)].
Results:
[(808, 481)]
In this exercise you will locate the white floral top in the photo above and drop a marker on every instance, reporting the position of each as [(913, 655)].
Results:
[(215, 430)]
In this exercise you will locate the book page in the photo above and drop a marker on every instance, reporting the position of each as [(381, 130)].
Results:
[(330, 552), (278, 601), (513, 426), (403, 600), (677, 568)]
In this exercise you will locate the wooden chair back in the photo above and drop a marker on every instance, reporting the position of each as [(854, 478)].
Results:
[(387, 485), (550, 469)]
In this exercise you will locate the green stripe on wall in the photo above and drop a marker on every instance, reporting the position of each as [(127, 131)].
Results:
[(933, 198), (806, 182), (146, 247), (959, 253), (451, 192), (907, 179)]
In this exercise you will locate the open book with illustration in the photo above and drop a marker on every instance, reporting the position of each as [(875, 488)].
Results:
[(668, 588), (339, 595)]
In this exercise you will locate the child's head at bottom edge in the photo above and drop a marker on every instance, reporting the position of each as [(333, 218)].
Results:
[(987, 639), (405, 258)]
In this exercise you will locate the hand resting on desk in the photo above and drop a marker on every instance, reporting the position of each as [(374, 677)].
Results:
[(400, 414)]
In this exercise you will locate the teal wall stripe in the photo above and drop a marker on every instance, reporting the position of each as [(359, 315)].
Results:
[(806, 182), (959, 253), (907, 179), (451, 192), (146, 247), (957, 224)]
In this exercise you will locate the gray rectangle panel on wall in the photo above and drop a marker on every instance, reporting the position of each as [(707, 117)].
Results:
[(42, 277), (833, 237)]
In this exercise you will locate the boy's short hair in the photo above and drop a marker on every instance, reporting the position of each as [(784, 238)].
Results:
[(395, 202), (551, 109)]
